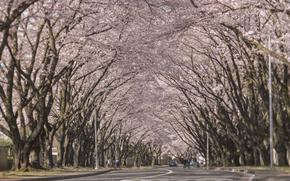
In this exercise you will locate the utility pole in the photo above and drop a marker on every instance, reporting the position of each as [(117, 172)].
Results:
[(96, 146), (207, 148), (270, 105)]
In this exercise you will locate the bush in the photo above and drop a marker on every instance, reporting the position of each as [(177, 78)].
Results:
[(5, 142)]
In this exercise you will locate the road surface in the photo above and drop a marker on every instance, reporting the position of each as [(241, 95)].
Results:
[(167, 174)]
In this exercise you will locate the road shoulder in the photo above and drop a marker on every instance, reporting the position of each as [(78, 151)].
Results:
[(58, 176)]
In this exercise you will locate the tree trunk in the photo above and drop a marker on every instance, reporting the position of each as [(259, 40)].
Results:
[(24, 160), (262, 157), (224, 159), (17, 156), (60, 152), (48, 154), (21, 157), (76, 151), (249, 158), (106, 159), (125, 162), (236, 160), (242, 159), (68, 153), (288, 153), (280, 155), (48, 158), (135, 161), (35, 157), (256, 157), (153, 161), (159, 159), (61, 138)]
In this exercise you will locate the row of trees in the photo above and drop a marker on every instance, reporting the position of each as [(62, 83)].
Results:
[(221, 76), (63, 84), (73, 69)]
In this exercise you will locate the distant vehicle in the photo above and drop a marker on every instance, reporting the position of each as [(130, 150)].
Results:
[(190, 164), (172, 163), (194, 163)]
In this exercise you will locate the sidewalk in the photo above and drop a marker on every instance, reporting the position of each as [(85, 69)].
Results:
[(261, 173), (271, 175), (57, 176)]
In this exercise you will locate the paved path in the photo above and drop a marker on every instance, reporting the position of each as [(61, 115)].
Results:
[(167, 174), (268, 175)]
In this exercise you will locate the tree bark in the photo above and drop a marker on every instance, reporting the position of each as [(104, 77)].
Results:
[(48, 154), (262, 157), (35, 157), (153, 161), (280, 156), (21, 156), (288, 153), (76, 152)]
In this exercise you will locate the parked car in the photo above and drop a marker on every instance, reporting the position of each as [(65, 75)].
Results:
[(194, 163), (172, 163)]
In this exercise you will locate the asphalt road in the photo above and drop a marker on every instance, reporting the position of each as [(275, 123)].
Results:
[(167, 174)]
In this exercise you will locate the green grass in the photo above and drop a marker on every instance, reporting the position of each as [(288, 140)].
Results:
[(5, 142), (284, 169)]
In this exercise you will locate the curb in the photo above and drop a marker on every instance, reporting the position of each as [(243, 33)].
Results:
[(246, 172), (59, 177)]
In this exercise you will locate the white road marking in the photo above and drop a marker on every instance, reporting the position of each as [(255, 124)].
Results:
[(251, 177), (169, 172), (132, 173), (216, 179), (200, 179)]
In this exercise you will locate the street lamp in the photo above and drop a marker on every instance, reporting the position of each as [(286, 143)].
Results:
[(270, 105), (207, 148), (96, 146)]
